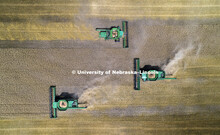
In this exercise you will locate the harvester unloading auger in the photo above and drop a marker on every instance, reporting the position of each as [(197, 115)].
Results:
[(146, 74), (115, 33), (60, 104)]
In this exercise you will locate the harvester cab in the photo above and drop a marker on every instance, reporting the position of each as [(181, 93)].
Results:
[(61, 104), (146, 74), (115, 33)]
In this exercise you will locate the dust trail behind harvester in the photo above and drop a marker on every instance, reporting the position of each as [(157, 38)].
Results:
[(94, 93), (178, 61)]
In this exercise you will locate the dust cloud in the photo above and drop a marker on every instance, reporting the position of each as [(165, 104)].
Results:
[(175, 63), (94, 93)]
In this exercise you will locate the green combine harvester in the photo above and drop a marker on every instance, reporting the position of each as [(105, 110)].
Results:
[(115, 33), (146, 75), (61, 104)]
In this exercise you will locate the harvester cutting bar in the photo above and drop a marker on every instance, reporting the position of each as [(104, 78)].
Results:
[(137, 76), (53, 111), (125, 30)]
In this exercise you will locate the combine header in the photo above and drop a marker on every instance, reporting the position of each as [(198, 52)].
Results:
[(115, 33), (61, 104), (146, 75)]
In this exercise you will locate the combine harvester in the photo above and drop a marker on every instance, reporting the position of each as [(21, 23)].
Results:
[(115, 33), (61, 104), (146, 75)]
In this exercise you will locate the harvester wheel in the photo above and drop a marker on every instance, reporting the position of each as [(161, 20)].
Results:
[(117, 40)]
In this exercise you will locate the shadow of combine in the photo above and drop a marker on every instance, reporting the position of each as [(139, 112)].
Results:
[(149, 67), (107, 28), (67, 96)]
